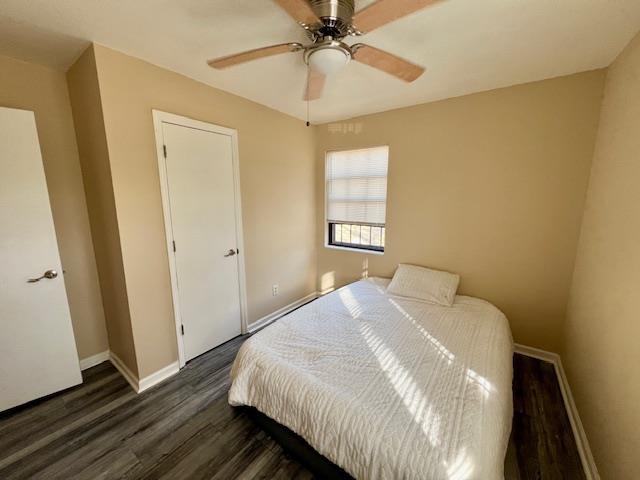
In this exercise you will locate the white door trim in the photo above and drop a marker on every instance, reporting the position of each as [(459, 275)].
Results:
[(159, 118)]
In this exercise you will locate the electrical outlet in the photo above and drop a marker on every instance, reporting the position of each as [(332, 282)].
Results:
[(275, 289)]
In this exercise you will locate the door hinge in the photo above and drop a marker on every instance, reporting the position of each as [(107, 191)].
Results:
[(164, 150), (182, 329), (173, 242)]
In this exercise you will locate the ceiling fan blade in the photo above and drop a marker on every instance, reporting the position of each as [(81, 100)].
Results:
[(299, 10), (231, 60), (386, 62), (386, 11), (315, 86)]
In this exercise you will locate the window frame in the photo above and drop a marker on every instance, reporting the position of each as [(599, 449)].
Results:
[(354, 246), (349, 247)]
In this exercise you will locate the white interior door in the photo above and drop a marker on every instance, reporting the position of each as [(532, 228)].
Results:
[(38, 354), (200, 180)]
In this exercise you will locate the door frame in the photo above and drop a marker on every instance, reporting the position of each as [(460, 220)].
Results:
[(160, 117)]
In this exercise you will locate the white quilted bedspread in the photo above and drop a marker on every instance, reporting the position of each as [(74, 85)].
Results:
[(387, 387)]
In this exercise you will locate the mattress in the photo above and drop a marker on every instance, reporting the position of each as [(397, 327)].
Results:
[(387, 387)]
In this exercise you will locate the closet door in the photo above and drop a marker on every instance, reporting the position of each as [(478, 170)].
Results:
[(37, 349), (200, 180)]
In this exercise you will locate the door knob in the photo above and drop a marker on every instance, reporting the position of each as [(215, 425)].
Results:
[(231, 253), (49, 274)]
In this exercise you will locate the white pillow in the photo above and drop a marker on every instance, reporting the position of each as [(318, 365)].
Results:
[(432, 286)]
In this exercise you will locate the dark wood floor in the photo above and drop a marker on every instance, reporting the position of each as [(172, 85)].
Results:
[(542, 445), (184, 428)]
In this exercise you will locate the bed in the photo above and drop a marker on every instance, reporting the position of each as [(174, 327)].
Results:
[(386, 386)]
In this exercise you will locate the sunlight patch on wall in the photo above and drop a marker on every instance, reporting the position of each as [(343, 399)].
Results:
[(365, 268), (327, 283)]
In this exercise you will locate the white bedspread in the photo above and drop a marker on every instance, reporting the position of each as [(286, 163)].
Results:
[(387, 387)]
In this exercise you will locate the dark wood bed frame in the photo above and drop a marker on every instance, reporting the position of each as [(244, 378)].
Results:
[(297, 447)]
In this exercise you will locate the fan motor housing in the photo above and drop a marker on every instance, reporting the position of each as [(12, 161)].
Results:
[(336, 17)]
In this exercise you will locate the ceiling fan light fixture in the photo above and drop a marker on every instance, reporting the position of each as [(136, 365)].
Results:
[(327, 23), (328, 60)]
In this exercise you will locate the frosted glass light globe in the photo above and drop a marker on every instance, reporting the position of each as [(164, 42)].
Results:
[(328, 60)]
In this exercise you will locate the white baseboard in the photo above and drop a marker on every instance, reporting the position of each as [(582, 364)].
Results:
[(124, 371), (267, 319), (537, 353), (94, 360), (582, 443), (157, 377), (140, 385)]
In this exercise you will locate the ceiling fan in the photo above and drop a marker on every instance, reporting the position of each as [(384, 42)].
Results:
[(327, 23)]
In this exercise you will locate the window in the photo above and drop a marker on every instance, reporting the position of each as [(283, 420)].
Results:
[(356, 198)]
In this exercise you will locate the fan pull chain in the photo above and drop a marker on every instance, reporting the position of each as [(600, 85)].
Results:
[(307, 92)]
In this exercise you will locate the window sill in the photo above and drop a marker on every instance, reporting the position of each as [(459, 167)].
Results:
[(356, 250)]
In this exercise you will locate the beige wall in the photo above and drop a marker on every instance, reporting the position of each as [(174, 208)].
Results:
[(602, 337), (490, 186), (277, 173), (44, 91), (94, 158)]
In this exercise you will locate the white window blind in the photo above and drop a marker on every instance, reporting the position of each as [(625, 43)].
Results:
[(356, 187)]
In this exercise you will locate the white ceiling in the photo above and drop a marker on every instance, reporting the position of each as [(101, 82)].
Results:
[(466, 45)]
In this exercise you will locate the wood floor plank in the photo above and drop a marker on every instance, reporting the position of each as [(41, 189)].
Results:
[(185, 428), (541, 431), (113, 465)]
